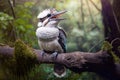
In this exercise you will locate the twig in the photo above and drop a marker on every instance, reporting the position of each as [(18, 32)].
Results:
[(12, 9), (90, 12), (95, 5)]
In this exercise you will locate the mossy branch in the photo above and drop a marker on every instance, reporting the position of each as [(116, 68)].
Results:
[(22, 59)]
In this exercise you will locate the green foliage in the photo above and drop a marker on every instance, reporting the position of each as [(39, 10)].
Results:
[(25, 30), (4, 20), (45, 72), (19, 27)]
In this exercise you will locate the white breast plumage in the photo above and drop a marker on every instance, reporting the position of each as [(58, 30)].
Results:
[(47, 33)]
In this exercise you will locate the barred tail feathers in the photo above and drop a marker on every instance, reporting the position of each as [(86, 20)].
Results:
[(59, 70)]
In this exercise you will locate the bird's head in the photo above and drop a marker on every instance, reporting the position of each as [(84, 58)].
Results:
[(50, 17)]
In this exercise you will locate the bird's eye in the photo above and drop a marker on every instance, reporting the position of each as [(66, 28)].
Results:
[(48, 15), (41, 19)]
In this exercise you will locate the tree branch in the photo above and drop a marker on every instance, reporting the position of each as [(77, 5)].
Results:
[(100, 62), (95, 5), (12, 9)]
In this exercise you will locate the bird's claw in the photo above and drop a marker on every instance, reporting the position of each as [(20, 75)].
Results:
[(54, 55), (42, 53)]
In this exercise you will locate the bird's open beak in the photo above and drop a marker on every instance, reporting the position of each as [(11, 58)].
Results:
[(56, 15)]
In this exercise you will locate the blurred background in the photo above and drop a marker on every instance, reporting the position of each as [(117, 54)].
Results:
[(83, 25)]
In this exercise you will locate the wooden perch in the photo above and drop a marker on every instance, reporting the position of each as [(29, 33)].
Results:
[(100, 62)]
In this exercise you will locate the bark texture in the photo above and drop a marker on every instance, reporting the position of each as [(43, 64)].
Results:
[(100, 62), (111, 24)]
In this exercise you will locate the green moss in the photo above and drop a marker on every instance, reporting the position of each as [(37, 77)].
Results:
[(108, 47), (7, 65), (25, 58), (116, 58), (20, 64)]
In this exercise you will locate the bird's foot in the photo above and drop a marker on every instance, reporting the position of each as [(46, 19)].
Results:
[(43, 53), (54, 55)]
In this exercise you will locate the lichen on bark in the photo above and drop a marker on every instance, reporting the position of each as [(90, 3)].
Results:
[(108, 47), (25, 58)]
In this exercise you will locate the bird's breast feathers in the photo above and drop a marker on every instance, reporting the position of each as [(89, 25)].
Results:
[(46, 33)]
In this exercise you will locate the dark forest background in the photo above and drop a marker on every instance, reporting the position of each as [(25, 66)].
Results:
[(83, 25)]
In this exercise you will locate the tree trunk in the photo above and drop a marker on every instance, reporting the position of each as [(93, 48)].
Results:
[(116, 42), (116, 7), (111, 26)]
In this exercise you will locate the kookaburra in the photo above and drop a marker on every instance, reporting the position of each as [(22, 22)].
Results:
[(51, 38)]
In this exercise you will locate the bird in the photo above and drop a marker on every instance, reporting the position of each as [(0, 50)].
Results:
[(51, 37)]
